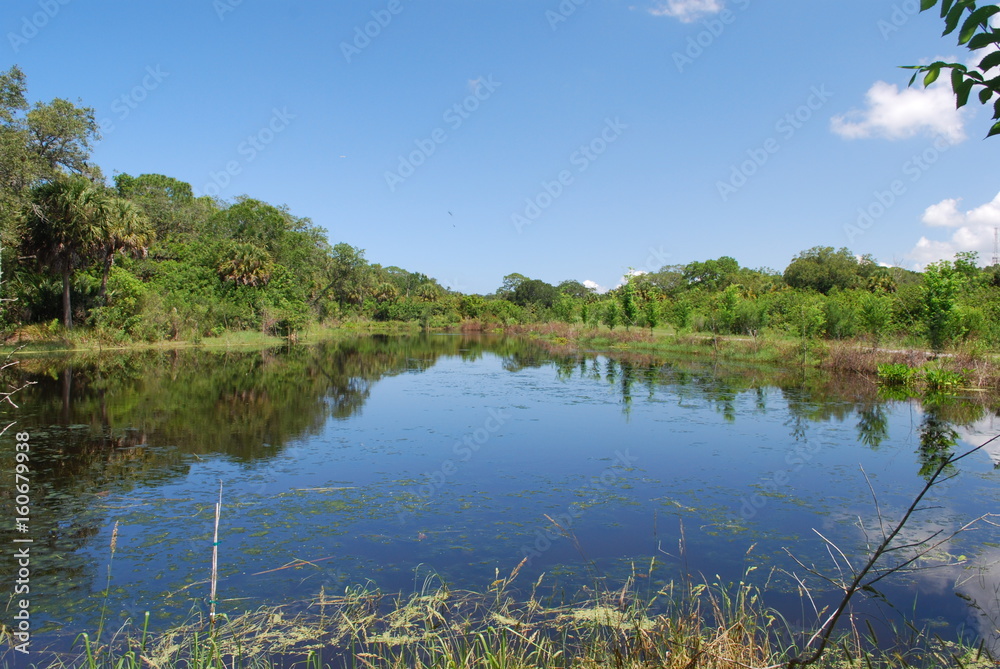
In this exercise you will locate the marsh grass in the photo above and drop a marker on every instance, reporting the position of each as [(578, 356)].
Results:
[(681, 624)]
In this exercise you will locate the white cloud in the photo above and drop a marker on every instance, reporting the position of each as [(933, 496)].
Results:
[(892, 113), (943, 214), (629, 274), (686, 11), (973, 231), (596, 287)]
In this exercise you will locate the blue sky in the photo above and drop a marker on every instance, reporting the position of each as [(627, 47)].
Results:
[(570, 139)]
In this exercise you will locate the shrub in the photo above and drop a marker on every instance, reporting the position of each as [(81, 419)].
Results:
[(895, 374), (943, 379)]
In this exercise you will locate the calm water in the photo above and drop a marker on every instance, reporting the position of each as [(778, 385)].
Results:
[(388, 459)]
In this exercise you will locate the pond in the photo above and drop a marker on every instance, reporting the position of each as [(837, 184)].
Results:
[(389, 460)]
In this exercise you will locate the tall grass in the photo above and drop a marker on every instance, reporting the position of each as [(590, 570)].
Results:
[(682, 624)]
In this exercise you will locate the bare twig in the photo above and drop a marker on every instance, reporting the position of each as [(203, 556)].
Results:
[(823, 634)]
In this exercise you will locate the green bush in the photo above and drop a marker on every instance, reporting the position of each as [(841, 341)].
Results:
[(943, 379), (895, 374), (122, 315)]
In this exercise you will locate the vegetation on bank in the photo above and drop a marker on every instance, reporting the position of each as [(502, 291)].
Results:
[(142, 259)]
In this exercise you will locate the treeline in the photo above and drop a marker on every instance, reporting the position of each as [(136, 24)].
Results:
[(822, 293), (142, 258)]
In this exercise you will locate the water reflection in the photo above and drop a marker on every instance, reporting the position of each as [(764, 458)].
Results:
[(121, 434)]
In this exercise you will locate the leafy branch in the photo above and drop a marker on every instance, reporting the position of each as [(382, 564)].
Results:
[(975, 33)]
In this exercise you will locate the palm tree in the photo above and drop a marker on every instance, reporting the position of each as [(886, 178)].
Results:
[(127, 230), (385, 292), (428, 292), (64, 229), (245, 264)]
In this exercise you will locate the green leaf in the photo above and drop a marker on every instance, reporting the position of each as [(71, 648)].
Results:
[(927, 4), (932, 76), (962, 94), (945, 7), (978, 18), (985, 95), (983, 40), (954, 16), (990, 61), (995, 130), (957, 80)]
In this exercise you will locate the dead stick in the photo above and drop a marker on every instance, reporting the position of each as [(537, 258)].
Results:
[(215, 560)]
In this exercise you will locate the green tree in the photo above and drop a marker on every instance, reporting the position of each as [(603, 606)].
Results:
[(724, 315), (65, 228), (244, 264), (839, 315), (652, 312), (61, 135), (385, 291), (941, 284), (976, 34), (750, 316), (38, 144), (428, 292), (711, 274), (127, 231), (169, 203), (534, 291), (348, 274), (875, 316), (669, 280), (630, 309), (471, 306), (574, 289), (565, 309), (681, 312), (807, 317), (612, 314), (509, 285), (967, 266), (822, 269), (18, 168)]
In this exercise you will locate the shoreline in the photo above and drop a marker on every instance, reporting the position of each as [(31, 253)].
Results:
[(979, 369)]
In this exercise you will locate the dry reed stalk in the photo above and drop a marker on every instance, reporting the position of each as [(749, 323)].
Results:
[(215, 559)]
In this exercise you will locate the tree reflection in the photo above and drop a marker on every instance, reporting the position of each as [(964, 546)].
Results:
[(938, 437), (873, 425), (109, 424)]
